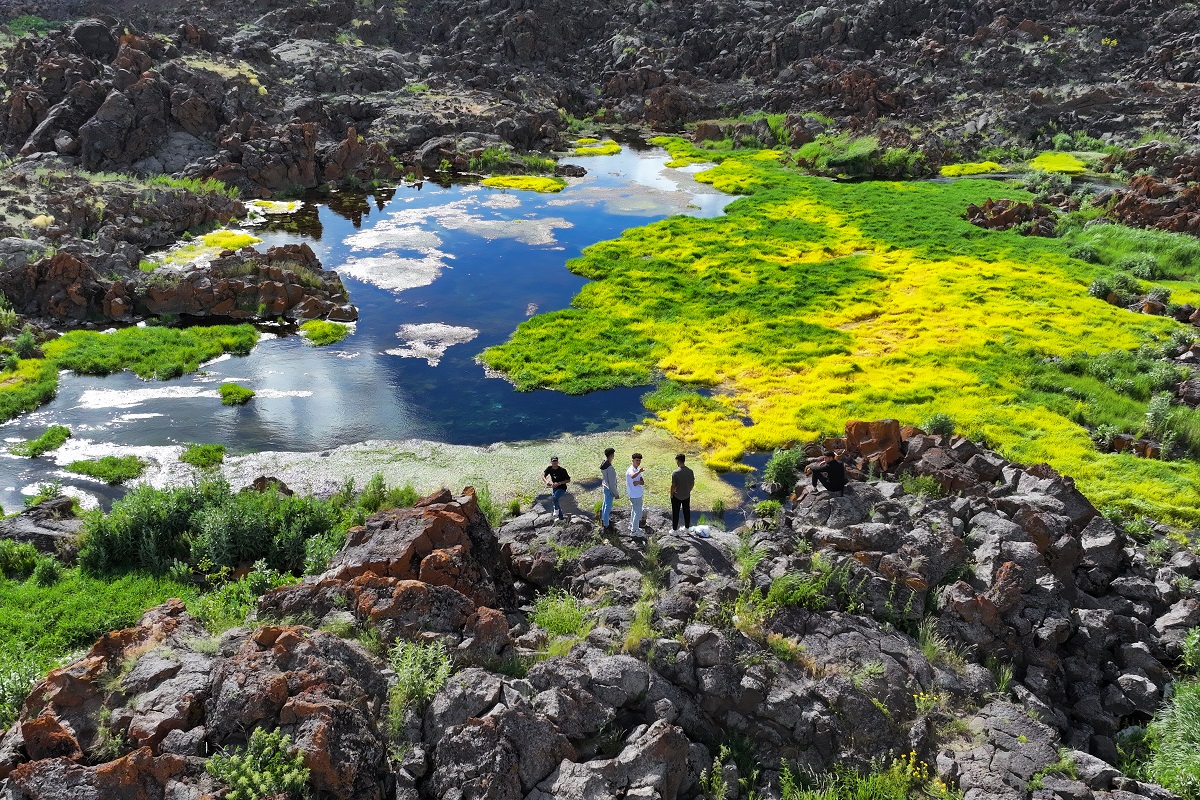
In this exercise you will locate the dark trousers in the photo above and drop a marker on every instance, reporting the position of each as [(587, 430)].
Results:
[(823, 479), (686, 505)]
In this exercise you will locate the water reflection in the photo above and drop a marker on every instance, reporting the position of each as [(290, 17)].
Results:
[(438, 274)]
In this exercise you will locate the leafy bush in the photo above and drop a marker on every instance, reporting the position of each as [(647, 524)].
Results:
[(1191, 651), (798, 589), (47, 572), (1086, 253), (263, 768), (52, 439), (746, 557), (203, 456), (234, 395), (939, 424), (784, 468), (768, 509), (17, 559), (24, 345), (1143, 267), (230, 603), (17, 676), (560, 613), (422, 669), (319, 332), (112, 470)]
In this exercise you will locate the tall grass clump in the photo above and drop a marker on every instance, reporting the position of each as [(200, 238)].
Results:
[(264, 768), (1174, 742), (422, 669), (560, 614), (233, 394), (784, 469), (52, 439), (150, 352), (195, 185)]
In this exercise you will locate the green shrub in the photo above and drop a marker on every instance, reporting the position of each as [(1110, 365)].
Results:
[(401, 497), (45, 491), (422, 669), (24, 345), (230, 603), (112, 470), (746, 557), (52, 439), (784, 468), (1191, 651), (234, 395), (203, 456), (768, 509), (798, 589), (17, 676), (17, 559), (47, 572), (263, 768), (560, 613), (1143, 267), (9, 362), (939, 424), (8, 318)]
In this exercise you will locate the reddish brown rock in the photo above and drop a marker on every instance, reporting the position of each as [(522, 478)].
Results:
[(875, 442), (137, 776)]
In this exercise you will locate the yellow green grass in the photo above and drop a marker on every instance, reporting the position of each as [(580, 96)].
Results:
[(811, 303), (209, 245), (525, 183), (590, 147), (1064, 163), (972, 168)]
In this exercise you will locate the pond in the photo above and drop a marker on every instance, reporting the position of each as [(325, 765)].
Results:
[(438, 274)]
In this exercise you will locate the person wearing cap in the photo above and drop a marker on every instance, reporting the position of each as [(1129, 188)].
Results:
[(556, 479), (635, 485)]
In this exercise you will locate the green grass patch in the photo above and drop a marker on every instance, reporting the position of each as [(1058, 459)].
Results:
[(320, 332), (234, 395), (975, 168), (1173, 740), (561, 614), (33, 382), (1062, 163), (209, 245), (824, 302), (52, 439), (203, 456), (41, 624), (110, 469), (526, 183), (150, 352), (29, 23)]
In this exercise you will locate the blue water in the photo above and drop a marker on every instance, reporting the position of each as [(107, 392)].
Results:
[(498, 257)]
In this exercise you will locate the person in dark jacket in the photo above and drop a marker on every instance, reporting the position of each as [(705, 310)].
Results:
[(831, 473), (556, 480), (683, 480)]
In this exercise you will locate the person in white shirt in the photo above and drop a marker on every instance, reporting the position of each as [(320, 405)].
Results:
[(635, 484)]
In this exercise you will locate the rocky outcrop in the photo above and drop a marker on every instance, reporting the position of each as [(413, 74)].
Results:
[(794, 639), (51, 526), (285, 281), (1032, 219)]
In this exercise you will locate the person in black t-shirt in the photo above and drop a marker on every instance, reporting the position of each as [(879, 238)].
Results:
[(556, 479), (831, 473)]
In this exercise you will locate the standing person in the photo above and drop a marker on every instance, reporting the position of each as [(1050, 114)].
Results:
[(556, 479), (635, 484), (683, 480), (608, 475), (831, 473)]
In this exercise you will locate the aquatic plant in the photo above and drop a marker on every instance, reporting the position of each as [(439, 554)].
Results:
[(810, 303), (592, 148), (525, 183), (203, 456), (150, 352), (320, 332), (234, 395), (52, 439), (110, 469)]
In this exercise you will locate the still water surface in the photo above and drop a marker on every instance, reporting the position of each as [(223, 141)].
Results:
[(438, 274)]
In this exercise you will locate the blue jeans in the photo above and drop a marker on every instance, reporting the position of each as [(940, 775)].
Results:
[(635, 516), (555, 495), (606, 509)]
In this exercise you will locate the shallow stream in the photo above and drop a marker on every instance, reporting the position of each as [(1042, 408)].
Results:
[(438, 274)]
